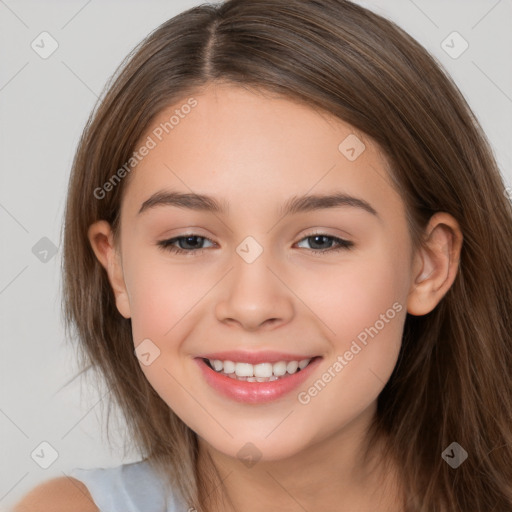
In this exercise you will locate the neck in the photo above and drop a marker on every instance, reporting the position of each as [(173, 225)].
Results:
[(330, 474)]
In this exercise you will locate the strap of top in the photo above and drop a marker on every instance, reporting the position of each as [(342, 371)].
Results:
[(130, 487)]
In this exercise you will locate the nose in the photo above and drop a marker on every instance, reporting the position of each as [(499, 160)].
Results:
[(254, 297)]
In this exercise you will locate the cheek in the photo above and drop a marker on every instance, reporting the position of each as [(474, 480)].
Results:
[(161, 295), (353, 295), (366, 312), (363, 304)]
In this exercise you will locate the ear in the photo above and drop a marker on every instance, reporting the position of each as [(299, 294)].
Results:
[(435, 264), (102, 242)]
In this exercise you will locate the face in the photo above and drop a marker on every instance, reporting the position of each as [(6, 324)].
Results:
[(255, 282)]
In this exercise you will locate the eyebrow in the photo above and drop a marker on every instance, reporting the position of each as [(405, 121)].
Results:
[(294, 205)]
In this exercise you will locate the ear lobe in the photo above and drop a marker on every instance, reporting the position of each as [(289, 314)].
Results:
[(102, 242), (438, 261)]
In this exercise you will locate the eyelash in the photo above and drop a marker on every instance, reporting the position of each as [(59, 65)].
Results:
[(166, 245)]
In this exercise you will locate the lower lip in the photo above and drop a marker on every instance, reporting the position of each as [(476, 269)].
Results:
[(255, 392)]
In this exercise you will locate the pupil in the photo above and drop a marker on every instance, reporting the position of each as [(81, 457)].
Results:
[(191, 238), (316, 237)]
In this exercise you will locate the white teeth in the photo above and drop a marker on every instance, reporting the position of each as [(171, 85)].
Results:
[(229, 367), (291, 367), (244, 370), (304, 363), (262, 372), (279, 368)]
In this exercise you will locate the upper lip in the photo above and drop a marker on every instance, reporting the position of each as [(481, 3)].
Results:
[(238, 356)]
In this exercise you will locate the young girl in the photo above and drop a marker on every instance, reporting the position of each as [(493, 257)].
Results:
[(287, 249)]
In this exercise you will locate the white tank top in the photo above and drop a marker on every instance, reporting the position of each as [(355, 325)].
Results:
[(133, 487)]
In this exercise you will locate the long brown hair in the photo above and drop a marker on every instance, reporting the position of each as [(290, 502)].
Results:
[(453, 379)]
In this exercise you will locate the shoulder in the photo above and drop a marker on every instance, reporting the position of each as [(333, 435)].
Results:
[(63, 494)]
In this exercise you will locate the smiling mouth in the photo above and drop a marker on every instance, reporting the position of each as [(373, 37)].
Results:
[(262, 372)]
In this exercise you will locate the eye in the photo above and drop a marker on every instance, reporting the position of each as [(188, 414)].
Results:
[(319, 239), (192, 244), (187, 244)]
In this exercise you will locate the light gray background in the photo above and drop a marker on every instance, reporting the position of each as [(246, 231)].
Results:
[(44, 104)]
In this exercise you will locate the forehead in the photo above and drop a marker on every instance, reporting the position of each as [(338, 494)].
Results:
[(255, 148)]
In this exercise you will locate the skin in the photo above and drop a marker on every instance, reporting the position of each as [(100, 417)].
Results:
[(254, 151)]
